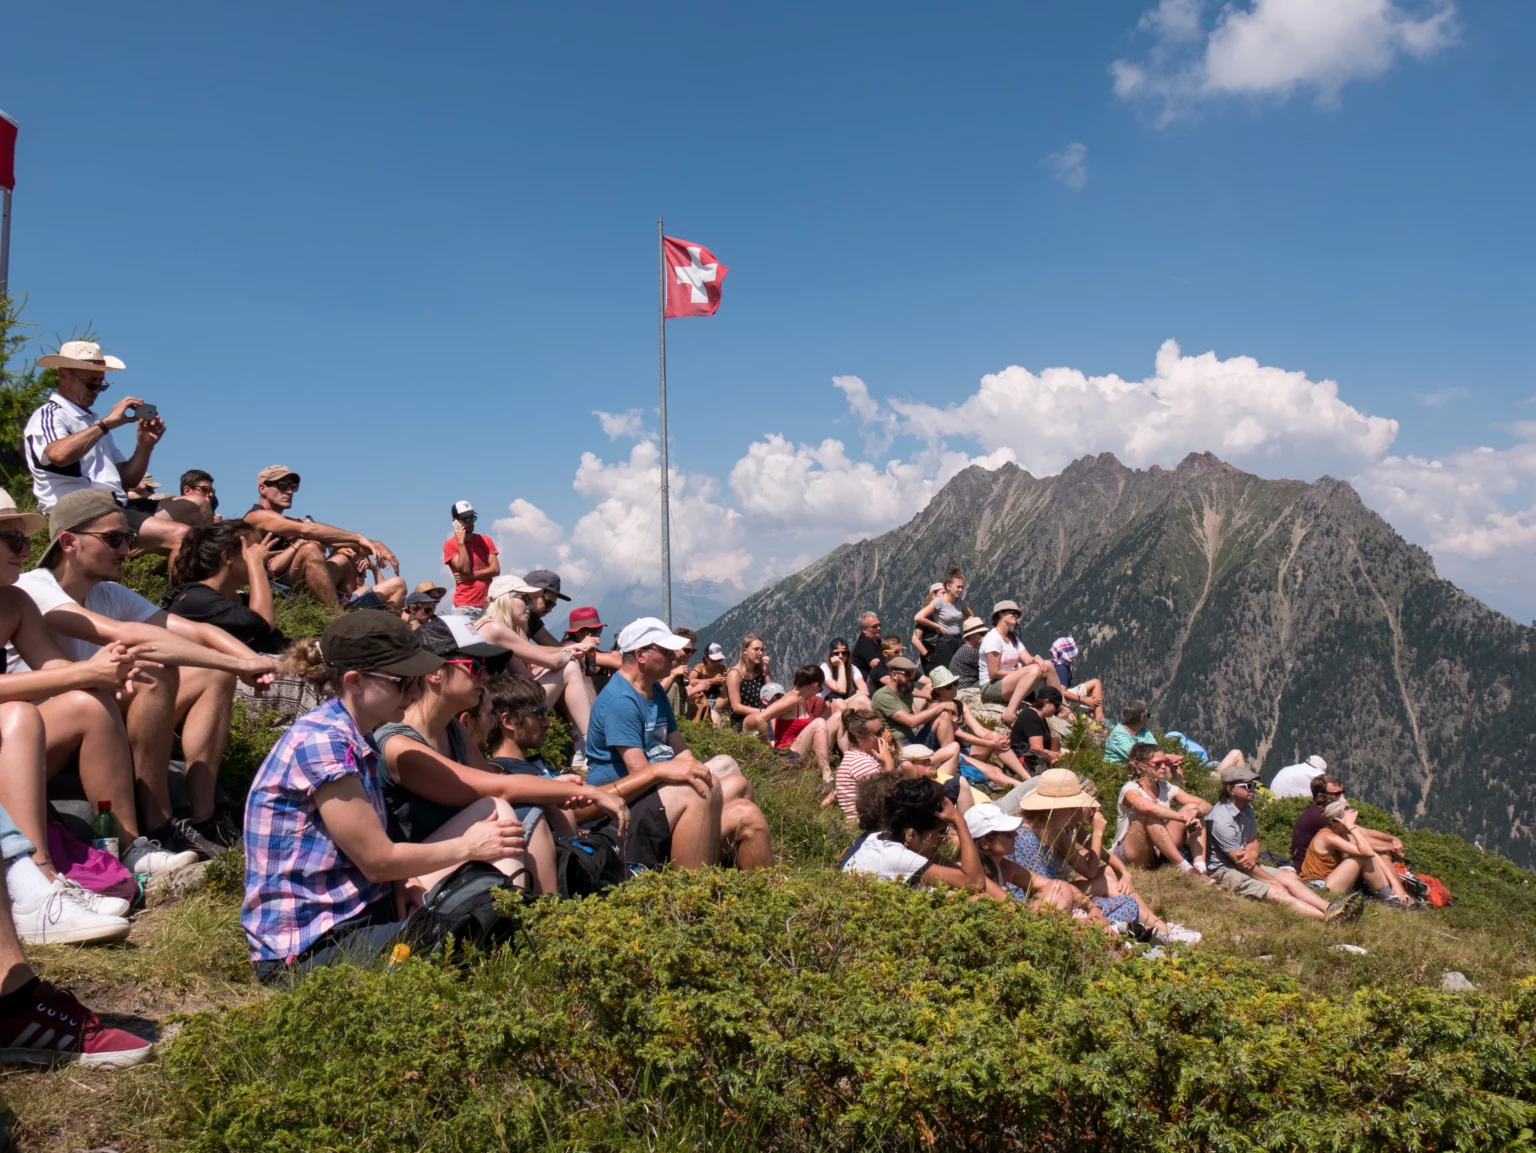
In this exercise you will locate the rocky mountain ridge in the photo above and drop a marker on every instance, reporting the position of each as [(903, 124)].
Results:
[(1280, 617)]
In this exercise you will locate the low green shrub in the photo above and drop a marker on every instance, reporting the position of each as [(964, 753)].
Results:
[(252, 733), (299, 615), (809, 1010)]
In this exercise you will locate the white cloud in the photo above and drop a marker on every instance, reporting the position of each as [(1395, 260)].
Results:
[(1070, 166), (882, 425), (1247, 413), (619, 424), (1274, 48), (1441, 396)]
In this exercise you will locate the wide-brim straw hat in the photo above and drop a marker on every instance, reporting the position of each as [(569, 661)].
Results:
[(30, 522), (1058, 789), (86, 355)]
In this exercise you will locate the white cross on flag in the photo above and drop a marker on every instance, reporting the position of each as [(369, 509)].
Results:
[(694, 277)]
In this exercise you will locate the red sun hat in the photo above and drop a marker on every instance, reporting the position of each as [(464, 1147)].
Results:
[(584, 617)]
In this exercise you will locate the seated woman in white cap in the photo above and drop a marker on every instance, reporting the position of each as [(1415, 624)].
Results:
[(994, 832), (559, 670), (916, 817), (706, 686), (437, 781)]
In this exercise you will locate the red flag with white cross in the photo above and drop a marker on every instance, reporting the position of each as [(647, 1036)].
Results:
[(7, 152), (694, 278)]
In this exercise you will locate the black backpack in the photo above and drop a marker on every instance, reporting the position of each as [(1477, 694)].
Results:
[(588, 863), (461, 905)]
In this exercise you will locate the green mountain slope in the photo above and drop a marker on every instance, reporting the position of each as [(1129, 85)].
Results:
[(1279, 617)]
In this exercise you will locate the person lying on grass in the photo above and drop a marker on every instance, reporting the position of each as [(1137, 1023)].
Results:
[(437, 782), (1051, 843), (319, 859), (984, 744), (1232, 838), (916, 818), (1340, 857), (1154, 818)]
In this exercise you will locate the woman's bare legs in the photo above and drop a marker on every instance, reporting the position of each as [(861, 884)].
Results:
[(23, 776), (482, 810), (1016, 686), (813, 740)]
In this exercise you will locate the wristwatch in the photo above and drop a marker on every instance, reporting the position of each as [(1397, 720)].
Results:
[(105, 431)]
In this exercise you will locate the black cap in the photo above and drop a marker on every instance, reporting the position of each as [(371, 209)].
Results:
[(373, 641), (542, 578), (437, 638)]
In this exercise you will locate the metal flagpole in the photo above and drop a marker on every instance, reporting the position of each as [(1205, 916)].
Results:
[(5, 242), (666, 520)]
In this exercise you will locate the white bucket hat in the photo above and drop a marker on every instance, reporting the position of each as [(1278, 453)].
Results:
[(85, 355)]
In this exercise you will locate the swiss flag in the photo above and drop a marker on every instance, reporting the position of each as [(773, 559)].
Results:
[(693, 276), (7, 151)]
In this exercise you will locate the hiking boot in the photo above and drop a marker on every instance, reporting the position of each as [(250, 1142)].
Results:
[(1354, 905), (95, 902), (148, 859), (56, 1029), (1335, 911), (220, 829), (57, 918), (179, 834)]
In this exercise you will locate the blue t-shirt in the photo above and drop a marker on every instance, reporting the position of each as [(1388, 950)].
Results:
[(622, 717)]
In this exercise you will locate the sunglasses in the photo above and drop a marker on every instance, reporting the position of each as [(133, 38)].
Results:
[(287, 484), (113, 538), (474, 666), (406, 685), (205, 489), (1247, 786), (689, 651), (16, 540), (1333, 793)]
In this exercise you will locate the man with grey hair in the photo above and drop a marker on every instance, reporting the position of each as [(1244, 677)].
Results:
[(866, 654)]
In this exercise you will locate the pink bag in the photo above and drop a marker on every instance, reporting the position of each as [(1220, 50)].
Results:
[(89, 867)]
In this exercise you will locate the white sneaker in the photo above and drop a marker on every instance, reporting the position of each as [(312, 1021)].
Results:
[(1177, 932), (579, 763), (56, 919), (95, 902), (148, 859)]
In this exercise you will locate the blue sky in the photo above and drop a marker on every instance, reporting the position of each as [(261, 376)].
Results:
[(409, 251)]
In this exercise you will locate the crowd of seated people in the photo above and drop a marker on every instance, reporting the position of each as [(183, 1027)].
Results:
[(423, 756)]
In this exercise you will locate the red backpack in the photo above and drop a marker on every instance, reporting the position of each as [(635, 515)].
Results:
[(1431, 890)]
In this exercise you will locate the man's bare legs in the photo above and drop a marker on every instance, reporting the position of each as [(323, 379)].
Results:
[(23, 776), (733, 783), (161, 534), (744, 828), (151, 719), (307, 566), (695, 822), (203, 705), (90, 723)]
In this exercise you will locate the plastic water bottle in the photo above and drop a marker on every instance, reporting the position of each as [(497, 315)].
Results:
[(104, 829)]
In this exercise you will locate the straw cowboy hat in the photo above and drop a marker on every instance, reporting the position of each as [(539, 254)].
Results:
[(86, 355), (31, 522), (1058, 789)]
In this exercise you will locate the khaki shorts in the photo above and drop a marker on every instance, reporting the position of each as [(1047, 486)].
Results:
[(992, 693), (1240, 883)]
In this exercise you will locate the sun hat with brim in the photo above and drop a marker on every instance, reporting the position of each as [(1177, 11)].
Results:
[(86, 355), (936, 587), (941, 678), (1317, 762), (987, 818), (435, 591), (31, 522), (583, 617), (75, 510), (916, 753), (1006, 607), (972, 626), (503, 585), (374, 641), (1058, 789)]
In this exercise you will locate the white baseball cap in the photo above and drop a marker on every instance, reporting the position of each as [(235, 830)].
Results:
[(463, 508), (988, 818), (507, 583), (715, 653), (649, 631)]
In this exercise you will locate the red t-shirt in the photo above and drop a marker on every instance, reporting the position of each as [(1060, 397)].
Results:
[(471, 592)]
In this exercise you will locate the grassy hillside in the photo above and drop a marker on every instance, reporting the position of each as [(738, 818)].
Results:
[(801, 1009)]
